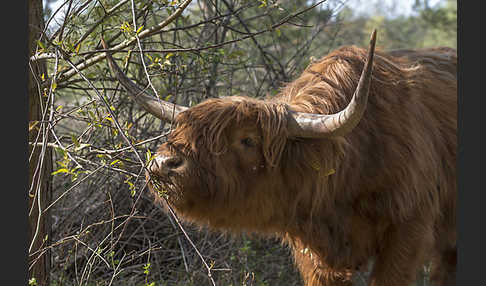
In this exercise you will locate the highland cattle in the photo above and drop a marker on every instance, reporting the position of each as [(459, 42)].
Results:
[(354, 161)]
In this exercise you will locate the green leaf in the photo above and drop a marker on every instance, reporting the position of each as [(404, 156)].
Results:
[(62, 170), (126, 27), (75, 140), (111, 254), (109, 118), (330, 172), (33, 124), (60, 151), (146, 268), (41, 45), (148, 155)]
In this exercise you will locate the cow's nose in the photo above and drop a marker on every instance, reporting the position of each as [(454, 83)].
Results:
[(163, 164)]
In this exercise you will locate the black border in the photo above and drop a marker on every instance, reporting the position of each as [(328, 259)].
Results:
[(14, 101), (471, 192), (471, 155)]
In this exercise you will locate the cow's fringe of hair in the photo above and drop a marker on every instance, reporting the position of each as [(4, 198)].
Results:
[(202, 134), (205, 126)]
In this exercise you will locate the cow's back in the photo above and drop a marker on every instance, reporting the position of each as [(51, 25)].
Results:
[(405, 145)]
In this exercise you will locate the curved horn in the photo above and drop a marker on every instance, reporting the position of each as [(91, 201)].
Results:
[(159, 108), (311, 125)]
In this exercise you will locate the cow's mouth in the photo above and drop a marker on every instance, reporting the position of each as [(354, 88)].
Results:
[(165, 187)]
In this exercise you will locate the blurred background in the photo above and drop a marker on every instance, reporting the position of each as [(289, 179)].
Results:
[(98, 225)]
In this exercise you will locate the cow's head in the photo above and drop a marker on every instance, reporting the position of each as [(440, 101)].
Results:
[(220, 162)]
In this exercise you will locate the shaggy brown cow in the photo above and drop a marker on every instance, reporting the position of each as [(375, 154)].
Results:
[(374, 182)]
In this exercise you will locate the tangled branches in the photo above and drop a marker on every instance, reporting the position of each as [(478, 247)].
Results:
[(104, 228)]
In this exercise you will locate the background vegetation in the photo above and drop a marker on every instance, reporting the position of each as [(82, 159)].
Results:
[(102, 226)]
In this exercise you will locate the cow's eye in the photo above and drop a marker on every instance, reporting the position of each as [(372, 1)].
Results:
[(248, 142)]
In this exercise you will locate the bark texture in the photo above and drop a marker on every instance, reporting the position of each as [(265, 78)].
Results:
[(40, 162)]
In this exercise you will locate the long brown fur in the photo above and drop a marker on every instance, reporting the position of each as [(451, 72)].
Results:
[(386, 191)]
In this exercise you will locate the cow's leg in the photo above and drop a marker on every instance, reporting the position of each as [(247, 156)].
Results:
[(444, 263), (402, 253), (444, 268), (315, 274)]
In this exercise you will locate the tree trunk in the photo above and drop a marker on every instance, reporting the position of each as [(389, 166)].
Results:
[(40, 161)]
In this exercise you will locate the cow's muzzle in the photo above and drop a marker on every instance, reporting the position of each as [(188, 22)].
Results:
[(167, 165)]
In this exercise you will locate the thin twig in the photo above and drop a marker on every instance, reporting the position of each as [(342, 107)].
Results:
[(192, 243)]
